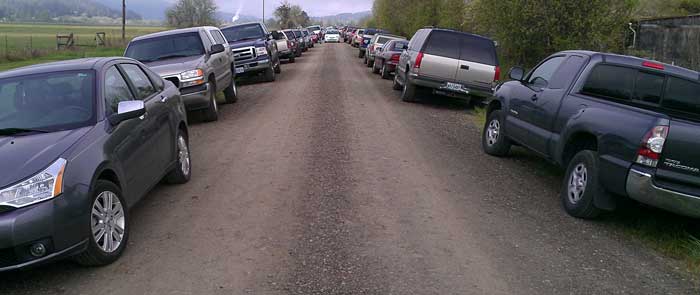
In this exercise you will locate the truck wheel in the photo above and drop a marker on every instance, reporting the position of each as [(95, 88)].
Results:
[(278, 68), (231, 92), (493, 139), (270, 74), (396, 85), (581, 186), (409, 91), (211, 113), (108, 228)]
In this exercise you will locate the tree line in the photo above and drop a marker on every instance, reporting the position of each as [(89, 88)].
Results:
[(527, 31), (192, 13)]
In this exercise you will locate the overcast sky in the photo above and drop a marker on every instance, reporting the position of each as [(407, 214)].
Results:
[(313, 7)]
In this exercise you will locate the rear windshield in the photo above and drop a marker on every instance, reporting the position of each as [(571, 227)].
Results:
[(462, 46), (297, 33), (382, 40), (400, 45), (165, 47), (370, 32), (239, 33)]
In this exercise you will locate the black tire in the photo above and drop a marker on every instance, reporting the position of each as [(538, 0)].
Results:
[(581, 203), (180, 174), (211, 113), (278, 68), (292, 60), (409, 91), (385, 72), (231, 92), (94, 255), (369, 63), (375, 67), (396, 85), (270, 74), (361, 54), (493, 140)]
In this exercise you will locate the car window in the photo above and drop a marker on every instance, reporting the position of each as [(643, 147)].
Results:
[(165, 47), (479, 50), (157, 80), (682, 95), (445, 44), (567, 72), (48, 101), (648, 87), (218, 38), (542, 75), (382, 40), (116, 90), (400, 46), (138, 78), (610, 82)]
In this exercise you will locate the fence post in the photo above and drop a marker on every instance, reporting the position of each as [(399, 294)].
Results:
[(7, 54)]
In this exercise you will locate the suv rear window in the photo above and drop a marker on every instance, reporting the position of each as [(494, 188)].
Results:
[(443, 44), (461, 46), (682, 96)]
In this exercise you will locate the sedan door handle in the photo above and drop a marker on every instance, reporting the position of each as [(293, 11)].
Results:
[(164, 99), (464, 67), (534, 97)]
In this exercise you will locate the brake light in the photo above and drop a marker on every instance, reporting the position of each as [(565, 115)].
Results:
[(652, 146), (419, 60), (497, 75), (653, 65), (289, 44), (395, 57)]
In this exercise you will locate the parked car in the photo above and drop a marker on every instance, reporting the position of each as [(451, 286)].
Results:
[(357, 37), (621, 126), (349, 35), (451, 63), (285, 48), (82, 141), (254, 50), (197, 60), (307, 38), (377, 42), (302, 41), (296, 42), (387, 57), (364, 40), (316, 30), (332, 36)]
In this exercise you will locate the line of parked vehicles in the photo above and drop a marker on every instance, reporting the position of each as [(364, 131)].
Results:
[(82, 141), (622, 127)]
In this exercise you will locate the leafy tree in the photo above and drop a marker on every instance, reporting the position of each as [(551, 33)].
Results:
[(192, 13), (291, 16)]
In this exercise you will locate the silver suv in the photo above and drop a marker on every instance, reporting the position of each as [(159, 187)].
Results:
[(451, 63), (197, 60)]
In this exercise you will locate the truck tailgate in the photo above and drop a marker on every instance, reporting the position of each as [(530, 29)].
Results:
[(679, 165)]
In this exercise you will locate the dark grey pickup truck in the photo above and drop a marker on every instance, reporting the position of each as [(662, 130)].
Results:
[(621, 126)]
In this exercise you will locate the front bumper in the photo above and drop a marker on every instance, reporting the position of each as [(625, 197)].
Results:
[(641, 187), (196, 97), (60, 224), (252, 67), (439, 87)]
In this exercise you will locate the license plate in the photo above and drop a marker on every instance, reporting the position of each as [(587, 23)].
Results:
[(240, 70), (454, 87)]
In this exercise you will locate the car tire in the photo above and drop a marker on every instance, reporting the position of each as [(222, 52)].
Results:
[(116, 217), (183, 170), (211, 113), (375, 67), (278, 68), (409, 91), (270, 74), (292, 60), (231, 92), (581, 186), (361, 54), (493, 139), (384, 72), (396, 85)]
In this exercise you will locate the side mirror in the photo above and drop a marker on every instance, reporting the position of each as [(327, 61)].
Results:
[(217, 48), (516, 73), (127, 110)]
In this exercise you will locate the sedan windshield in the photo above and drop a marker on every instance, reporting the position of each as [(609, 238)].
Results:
[(165, 47), (47, 102), (239, 33)]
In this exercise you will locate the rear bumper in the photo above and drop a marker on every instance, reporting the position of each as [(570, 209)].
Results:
[(641, 187), (288, 53), (439, 87)]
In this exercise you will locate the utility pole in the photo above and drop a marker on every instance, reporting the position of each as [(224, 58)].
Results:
[(263, 11), (123, 21)]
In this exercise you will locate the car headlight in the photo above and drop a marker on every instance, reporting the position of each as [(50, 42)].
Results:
[(44, 185), (261, 51), (192, 78)]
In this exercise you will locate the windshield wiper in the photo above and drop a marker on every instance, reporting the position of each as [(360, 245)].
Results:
[(246, 38), (165, 57), (13, 131)]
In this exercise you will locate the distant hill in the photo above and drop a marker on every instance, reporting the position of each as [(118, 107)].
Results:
[(54, 10), (343, 18), (151, 9)]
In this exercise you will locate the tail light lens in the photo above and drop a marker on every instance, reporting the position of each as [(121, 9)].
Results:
[(419, 60), (652, 146), (497, 75), (395, 57), (289, 44)]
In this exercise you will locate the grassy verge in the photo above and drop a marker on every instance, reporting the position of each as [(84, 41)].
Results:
[(62, 55)]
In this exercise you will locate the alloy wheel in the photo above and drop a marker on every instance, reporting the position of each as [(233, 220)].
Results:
[(108, 221), (577, 183), (493, 132), (183, 155)]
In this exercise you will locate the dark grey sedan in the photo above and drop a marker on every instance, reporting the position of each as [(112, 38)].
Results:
[(80, 143)]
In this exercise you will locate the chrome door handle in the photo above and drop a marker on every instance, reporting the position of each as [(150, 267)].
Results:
[(164, 99)]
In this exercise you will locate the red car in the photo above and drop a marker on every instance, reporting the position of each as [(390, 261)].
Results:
[(387, 57)]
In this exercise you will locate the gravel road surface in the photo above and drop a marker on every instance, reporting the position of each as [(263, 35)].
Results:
[(324, 182)]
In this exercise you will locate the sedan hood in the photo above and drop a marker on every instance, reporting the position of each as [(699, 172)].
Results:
[(175, 66), (25, 155), (247, 43)]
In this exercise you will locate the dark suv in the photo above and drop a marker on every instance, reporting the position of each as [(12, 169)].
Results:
[(451, 63), (254, 50), (621, 125)]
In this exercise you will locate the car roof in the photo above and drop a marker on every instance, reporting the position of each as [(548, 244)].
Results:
[(389, 35), (635, 61), (460, 32), (172, 32), (60, 66)]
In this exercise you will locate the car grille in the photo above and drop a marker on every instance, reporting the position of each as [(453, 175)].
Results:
[(244, 54), (7, 257)]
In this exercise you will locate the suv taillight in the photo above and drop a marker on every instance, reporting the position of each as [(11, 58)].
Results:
[(497, 75), (419, 60), (652, 146), (395, 57)]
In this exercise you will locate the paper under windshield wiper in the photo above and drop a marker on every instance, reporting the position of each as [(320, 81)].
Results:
[(13, 131)]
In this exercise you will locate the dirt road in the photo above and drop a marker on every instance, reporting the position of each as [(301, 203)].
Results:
[(324, 182)]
